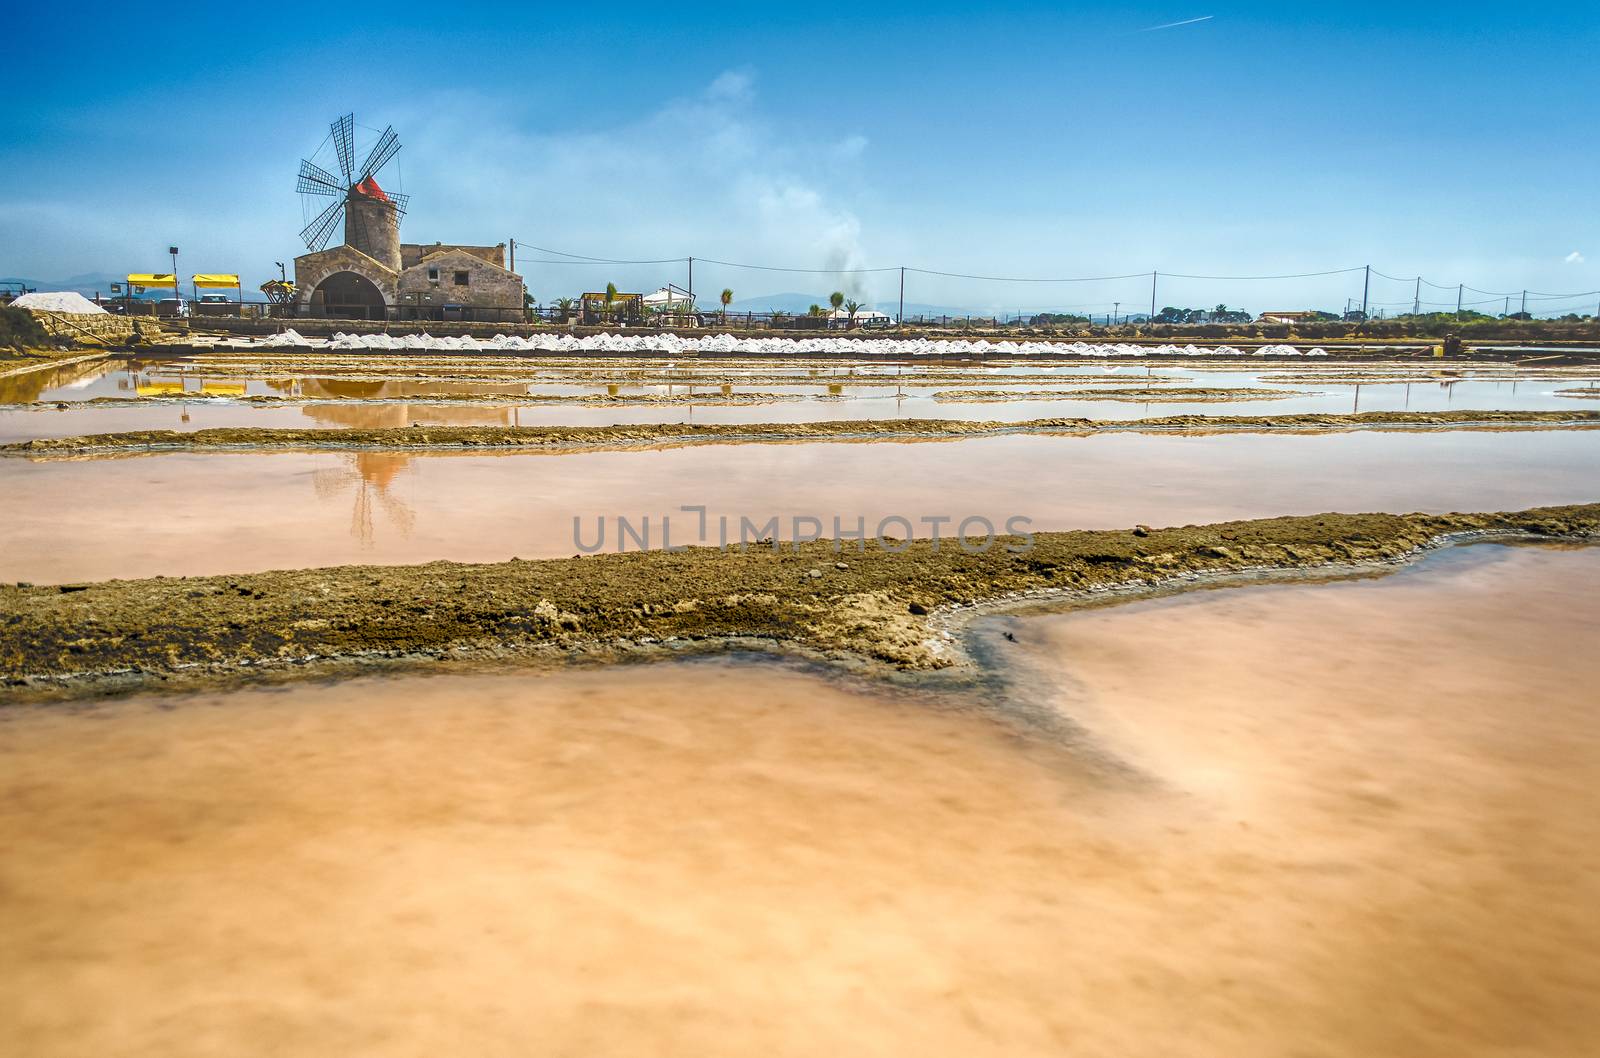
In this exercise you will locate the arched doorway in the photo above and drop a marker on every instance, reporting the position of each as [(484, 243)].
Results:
[(348, 296)]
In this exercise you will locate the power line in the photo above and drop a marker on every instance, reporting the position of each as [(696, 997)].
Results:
[(600, 260), (576, 259), (809, 271), (1231, 279)]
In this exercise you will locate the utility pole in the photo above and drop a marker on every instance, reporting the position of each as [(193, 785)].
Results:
[(1152, 297), (1416, 298), (173, 250), (1524, 311), (513, 244), (1366, 285), (1507, 310), (691, 284), (900, 320), (1459, 288), (1116, 308)]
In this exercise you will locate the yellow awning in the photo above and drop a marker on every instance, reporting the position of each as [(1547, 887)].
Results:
[(216, 281), (153, 279)]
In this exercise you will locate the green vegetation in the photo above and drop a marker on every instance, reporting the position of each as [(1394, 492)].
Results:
[(19, 330), (1219, 314)]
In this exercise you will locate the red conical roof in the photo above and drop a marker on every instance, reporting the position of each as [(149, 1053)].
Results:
[(370, 188)]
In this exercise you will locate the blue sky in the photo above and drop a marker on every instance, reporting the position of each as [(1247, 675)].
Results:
[(1452, 141)]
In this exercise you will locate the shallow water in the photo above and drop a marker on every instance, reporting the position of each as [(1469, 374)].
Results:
[(1346, 819), (351, 395), (192, 513)]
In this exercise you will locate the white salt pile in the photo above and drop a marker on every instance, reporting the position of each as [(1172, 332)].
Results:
[(58, 301), (676, 345)]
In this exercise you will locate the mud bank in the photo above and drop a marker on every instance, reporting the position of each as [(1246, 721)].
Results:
[(465, 400), (888, 611), (23, 361), (1415, 377), (645, 434), (1168, 395)]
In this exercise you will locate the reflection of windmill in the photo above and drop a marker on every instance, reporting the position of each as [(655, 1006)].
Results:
[(371, 214), (372, 474)]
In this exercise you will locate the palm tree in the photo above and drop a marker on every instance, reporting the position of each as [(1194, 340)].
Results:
[(727, 299), (566, 305), (814, 310), (852, 307), (835, 299), (611, 296)]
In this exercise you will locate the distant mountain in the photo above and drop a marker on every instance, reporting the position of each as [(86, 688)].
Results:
[(88, 284)]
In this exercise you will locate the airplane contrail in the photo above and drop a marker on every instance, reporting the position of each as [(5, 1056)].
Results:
[(1175, 25)]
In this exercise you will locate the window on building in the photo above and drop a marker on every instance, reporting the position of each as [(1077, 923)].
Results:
[(461, 279), (433, 274)]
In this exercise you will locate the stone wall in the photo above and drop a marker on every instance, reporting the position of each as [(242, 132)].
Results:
[(487, 285), (373, 227), (91, 327), (312, 268)]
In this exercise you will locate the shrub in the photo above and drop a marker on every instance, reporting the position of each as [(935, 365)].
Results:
[(19, 330)]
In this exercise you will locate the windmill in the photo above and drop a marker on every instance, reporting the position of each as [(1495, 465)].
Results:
[(371, 215)]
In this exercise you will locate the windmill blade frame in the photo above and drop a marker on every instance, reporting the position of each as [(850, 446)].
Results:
[(316, 233), (398, 201), (386, 148), (315, 180), (344, 141)]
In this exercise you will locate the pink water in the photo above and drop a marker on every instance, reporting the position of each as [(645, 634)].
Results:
[(191, 513)]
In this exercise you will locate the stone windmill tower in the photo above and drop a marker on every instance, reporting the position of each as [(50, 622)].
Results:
[(371, 215)]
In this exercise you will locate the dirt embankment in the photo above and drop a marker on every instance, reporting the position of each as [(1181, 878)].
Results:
[(71, 640), (523, 400), (22, 361), (1170, 394), (550, 438)]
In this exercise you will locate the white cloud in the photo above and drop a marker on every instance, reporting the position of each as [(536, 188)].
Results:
[(1574, 258), (704, 174), (732, 85)]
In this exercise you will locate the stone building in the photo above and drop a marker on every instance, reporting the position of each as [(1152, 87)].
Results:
[(372, 275)]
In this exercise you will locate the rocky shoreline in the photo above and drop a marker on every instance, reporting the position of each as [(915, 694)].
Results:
[(871, 608)]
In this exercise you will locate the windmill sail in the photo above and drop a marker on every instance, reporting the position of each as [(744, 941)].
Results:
[(315, 180), (344, 132), (387, 146), (317, 232)]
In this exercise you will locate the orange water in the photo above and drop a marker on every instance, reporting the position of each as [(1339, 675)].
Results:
[(1338, 820)]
